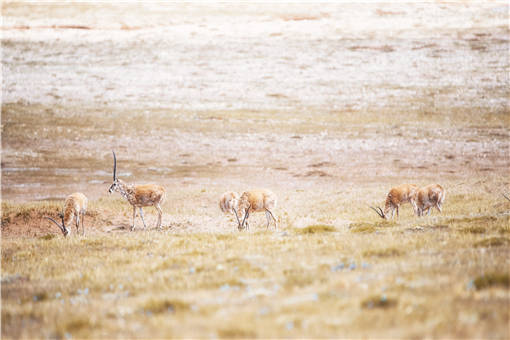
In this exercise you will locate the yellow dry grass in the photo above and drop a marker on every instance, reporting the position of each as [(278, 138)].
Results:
[(329, 114), (428, 276)]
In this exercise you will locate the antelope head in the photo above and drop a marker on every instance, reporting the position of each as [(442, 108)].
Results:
[(62, 227), (113, 187), (379, 212)]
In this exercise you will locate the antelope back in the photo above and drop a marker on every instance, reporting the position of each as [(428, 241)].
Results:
[(401, 194), (148, 194), (258, 200), (428, 196), (435, 193)]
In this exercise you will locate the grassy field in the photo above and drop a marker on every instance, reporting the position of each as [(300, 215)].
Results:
[(440, 276), (329, 107)]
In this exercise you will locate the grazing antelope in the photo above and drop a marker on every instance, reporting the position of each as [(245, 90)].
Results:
[(426, 198), (255, 201), (398, 195), (139, 196), (75, 207), (228, 203)]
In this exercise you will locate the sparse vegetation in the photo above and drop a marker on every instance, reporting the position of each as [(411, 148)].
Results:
[(201, 276), (164, 306), (315, 229), (387, 252), (473, 230), (378, 301), (492, 279), (493, 242), (362, 228), (365, 227), (330, 125)]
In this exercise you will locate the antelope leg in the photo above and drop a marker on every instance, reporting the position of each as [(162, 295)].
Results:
[(160, 214), (134, 215)]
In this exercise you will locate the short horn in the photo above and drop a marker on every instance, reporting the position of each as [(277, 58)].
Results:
[(60, 227), (379, 212), (114, 166)]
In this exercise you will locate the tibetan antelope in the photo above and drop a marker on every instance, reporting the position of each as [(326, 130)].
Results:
[(426, 198), (397, 196), (228, 203), (256, 201), (139, 196), (75, 207)]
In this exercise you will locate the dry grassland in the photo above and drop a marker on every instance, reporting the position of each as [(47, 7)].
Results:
[(310, 102), (440, 276)]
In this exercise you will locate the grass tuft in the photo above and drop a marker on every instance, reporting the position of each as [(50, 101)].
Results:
[(74, 325), (504, 229), (378, 301), (316, 229), (365, 227), (493, 242), (388, 252), (41, 296), (157, 306), (47, 237), (473, 230), (492, 279), (235, 332), (362, 228), (478, 224)]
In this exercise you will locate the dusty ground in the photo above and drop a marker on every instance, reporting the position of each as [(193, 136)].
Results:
[(327, 106)]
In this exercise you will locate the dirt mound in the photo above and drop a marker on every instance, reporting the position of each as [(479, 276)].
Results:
[(30, 220)]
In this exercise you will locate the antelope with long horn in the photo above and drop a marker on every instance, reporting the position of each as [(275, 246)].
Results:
[(256, 201), (139, 196), (396, 197), (75, 207), (428, 197)]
